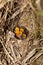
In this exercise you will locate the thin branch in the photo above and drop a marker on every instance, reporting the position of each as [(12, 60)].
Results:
[(6, 52), (3, 2), (36, 57), (18, 11), (30, 54), (38, 4), (13, 52)]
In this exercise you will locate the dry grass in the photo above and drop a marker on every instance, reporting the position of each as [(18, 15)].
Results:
[(24, 14)]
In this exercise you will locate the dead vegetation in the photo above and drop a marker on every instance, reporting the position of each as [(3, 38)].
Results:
[(29, 15)]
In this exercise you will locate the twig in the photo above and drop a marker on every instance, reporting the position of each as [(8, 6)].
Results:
[(3, 2), (5, 15), (6, 52), (1, 63), (18, 11), (29, 55), (17, 52), (35, 57), (38, 4), (22, 9), (13, 52)]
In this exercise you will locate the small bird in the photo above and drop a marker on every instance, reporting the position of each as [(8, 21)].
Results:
[(20, 32)]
